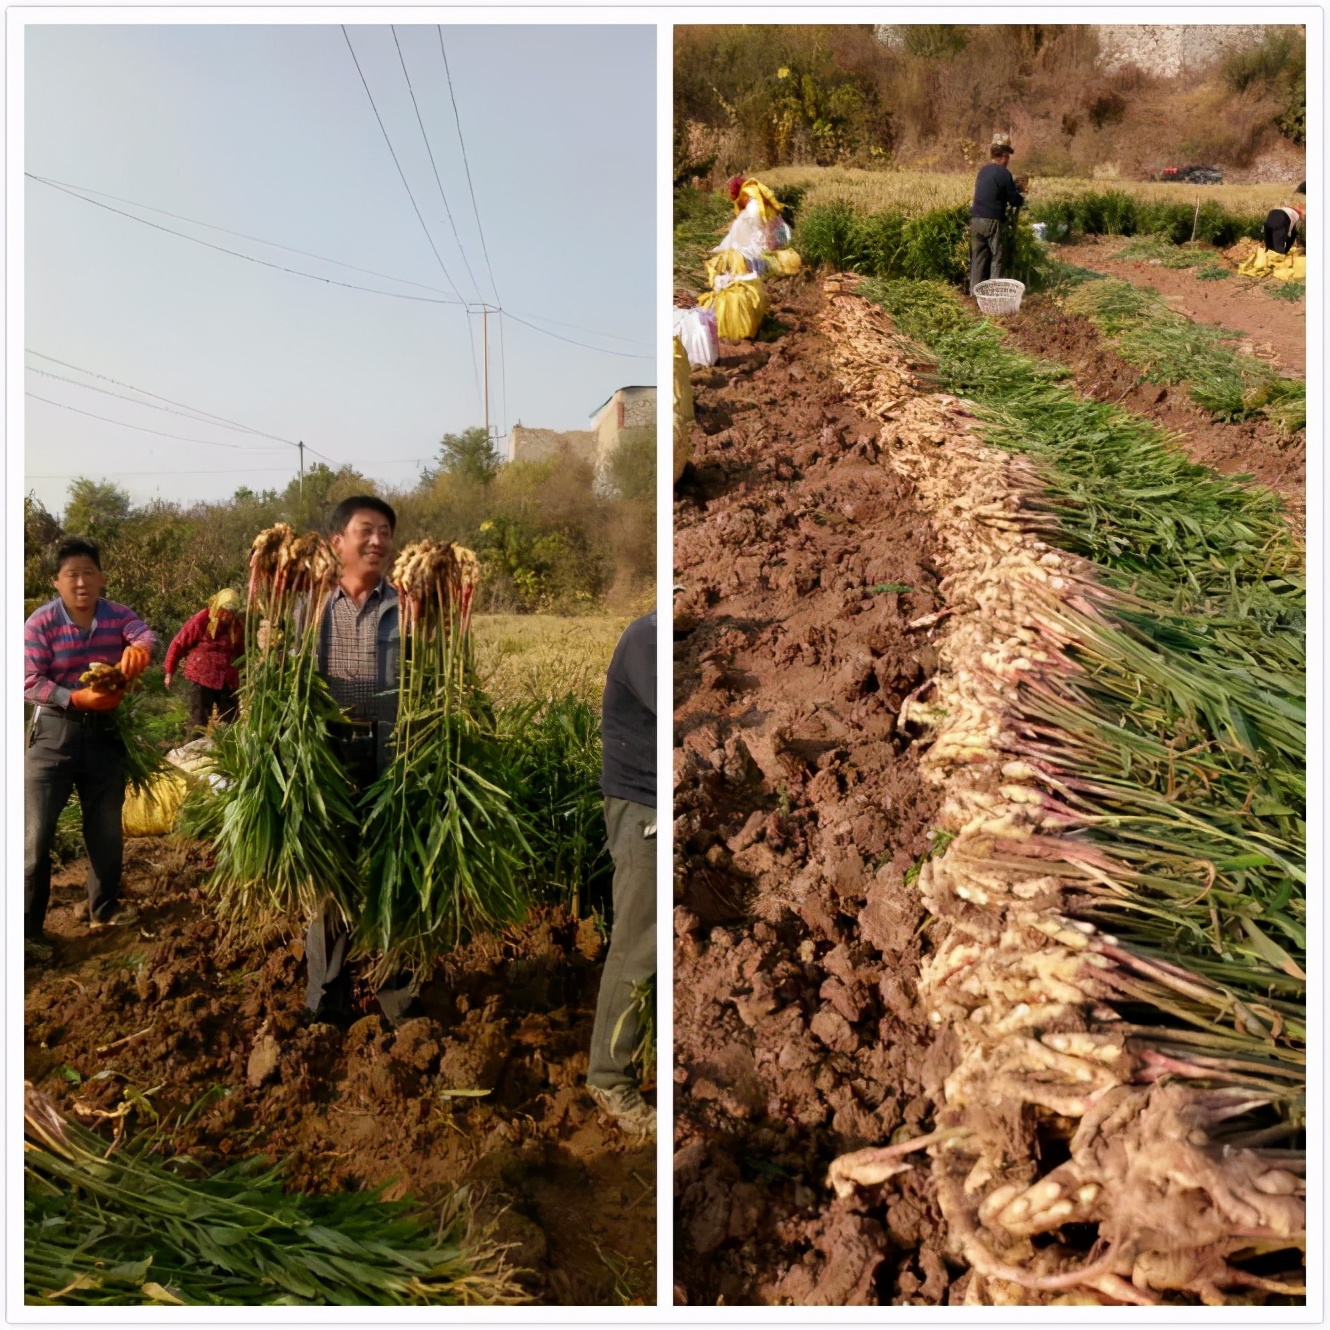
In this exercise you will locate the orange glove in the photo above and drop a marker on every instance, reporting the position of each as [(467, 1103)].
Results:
[(86, 699), (134, 661)]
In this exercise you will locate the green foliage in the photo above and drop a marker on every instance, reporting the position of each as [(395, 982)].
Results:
[(701, 217), (797, 92), (287, 842), (935, 41), (934, 245), (469, 455), (96, 509), (68, 843), (1278, 67), (553, 757), (443, 843), (131, 1225), (1115, 212), (1188, 724), (1170, 348), (642, 1009), (1290, 291), (165, 560), (632, 468)]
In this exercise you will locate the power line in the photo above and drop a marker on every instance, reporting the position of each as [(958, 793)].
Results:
[(184, 438), (466, 163), (442, 194), (609, 337), (121, 397), (331, 281), (143, 429), (242, 235), (250, 258), (397, 164), (626, 355)]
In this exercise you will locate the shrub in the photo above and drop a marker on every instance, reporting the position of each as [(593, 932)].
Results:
[(826, 236)]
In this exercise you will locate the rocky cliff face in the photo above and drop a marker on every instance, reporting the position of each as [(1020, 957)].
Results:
[(1167, 49), (1159, 49)]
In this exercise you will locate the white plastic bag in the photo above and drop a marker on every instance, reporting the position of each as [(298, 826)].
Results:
[(696, 329), (753, 237)]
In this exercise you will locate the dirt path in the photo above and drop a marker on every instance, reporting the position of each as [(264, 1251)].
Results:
[(1041, 328), (798, 811), (511, 1016), (1274, 329)]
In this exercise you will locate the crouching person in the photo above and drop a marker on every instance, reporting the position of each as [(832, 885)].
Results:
[(628, 782), (72, 742)]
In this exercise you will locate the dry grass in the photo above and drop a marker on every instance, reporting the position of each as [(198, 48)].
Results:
[(917, 192), (528, 657)]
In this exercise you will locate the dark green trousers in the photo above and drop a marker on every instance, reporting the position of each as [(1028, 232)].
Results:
[(632, 954)]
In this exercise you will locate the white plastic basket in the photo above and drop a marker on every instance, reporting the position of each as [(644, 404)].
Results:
[(999, 295)]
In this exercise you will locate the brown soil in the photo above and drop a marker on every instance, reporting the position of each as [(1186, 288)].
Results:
[(798, 809), (1042, 328), (1275, 329), (510, 1015)]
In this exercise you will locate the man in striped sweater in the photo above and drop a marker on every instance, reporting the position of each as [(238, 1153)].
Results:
[(72, 739)]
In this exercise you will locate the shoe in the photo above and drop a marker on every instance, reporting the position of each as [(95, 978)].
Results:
[(626, 1108), (36, 951), (120, 914)]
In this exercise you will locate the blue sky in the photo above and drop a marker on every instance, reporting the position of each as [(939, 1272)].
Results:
[(267, 131)]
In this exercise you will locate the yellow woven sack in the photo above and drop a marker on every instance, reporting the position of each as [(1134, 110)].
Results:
[(766, 200), (728, 261), (740, 309), (683, 408), (783, 262), (1289, 268), (1281, 267), (152, 812)]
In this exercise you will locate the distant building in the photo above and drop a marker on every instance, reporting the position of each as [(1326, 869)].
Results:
[(629, 416), (539, 445)]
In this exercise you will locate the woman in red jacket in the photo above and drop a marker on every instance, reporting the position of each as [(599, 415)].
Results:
[(213, 640)]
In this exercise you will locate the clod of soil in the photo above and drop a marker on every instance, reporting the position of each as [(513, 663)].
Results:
[(807, 571), (485, 1088)]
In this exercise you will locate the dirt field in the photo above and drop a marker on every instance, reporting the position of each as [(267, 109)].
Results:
[(810, 592), (1041, 328), (485, 1088), (804, 564), (1277, 327)]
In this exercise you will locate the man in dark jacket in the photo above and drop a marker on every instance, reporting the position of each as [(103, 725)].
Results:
[(628, 782), (994, 192)]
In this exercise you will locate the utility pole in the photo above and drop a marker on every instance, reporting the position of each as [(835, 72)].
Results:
[(302, 467), (485, 337)]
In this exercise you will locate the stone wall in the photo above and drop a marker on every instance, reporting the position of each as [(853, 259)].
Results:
[(538, 445), (1167, 49), (1160, 49)]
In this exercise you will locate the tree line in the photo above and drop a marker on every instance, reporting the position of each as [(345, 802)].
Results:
[(549, 537)]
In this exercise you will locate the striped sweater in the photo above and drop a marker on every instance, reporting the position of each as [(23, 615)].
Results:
[(56, 650)]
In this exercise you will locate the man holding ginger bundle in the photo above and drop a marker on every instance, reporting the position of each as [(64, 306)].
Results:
[(72, 740)]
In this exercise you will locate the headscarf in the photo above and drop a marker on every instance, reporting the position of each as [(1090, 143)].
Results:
[(225, 601)]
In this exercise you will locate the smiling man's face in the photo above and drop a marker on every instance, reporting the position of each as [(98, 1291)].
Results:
[(365, 547)]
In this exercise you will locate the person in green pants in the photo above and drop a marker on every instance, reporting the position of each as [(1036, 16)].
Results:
[(628, 782)]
